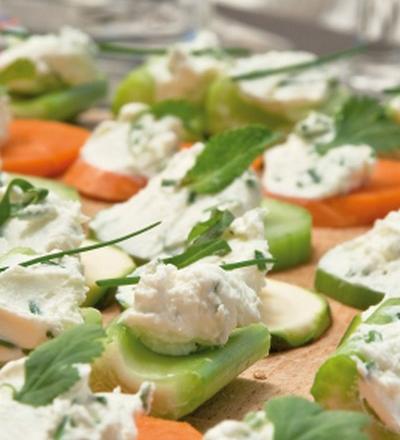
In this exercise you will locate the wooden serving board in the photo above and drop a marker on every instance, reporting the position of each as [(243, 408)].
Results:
[(290, 372)]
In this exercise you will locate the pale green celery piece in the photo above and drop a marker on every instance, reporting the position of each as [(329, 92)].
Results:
[(21, 78), (61, 189), (137, 86), (294, 316), (182, 383), (352, 294), (336, 383), (108, 262), (227, 109), (61, 105), (288, 231)]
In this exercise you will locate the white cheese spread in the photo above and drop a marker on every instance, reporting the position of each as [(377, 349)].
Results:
[(79, 414), (38, 302), (135, 144), (285, 92), (163, 200), (371, 260), (297, 169), (69, 56), (234, 430), (182, 74), (54, 223)]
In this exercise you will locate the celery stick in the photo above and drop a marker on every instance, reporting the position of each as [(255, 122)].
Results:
[(288, 231), (182, 383), (60, 105), (337, 383)]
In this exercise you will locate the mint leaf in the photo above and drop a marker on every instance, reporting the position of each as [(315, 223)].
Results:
[(363, 120), (295, 418), (30, 195), (192, 117), (227, 156), (50, 369)]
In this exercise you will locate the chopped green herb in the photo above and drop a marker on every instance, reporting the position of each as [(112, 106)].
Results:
[(296, 68), (58, 434), (50, 370), (113, 282), (315, 177), (260, 256), (212, 228), (227, 156), (373, 336), (245, 263), (101, 399), (191, 198), (168, 182), (34, 308), (29, 195)]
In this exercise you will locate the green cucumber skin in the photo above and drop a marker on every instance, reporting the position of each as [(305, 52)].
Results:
[(61, 189), (281, 340), (353, 295), (288, 229), (182, 383), (63, 105), (336, 382), (137, 86)]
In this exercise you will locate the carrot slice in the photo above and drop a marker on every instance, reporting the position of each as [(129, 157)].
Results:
[(151, 428), (41, 148), (362, 207), (101, 184)]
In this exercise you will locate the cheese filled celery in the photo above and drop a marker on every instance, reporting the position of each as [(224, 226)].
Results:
[(363, 373), (51, 76), (364, 270)]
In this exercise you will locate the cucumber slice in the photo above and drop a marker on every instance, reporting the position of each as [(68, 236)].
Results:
[(182, 383), (354, 295), (288, 231), (294, 316), (61, 189), (137, 86), (226, 109), (336, 385), (109, 262)]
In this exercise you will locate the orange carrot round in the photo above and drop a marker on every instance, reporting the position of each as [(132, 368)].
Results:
[(151, 428), (359, 208), (41, 148), (101, 184)]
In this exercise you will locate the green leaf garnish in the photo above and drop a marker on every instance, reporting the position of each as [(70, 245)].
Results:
[(30, 195), (258, 261), (50, 369), (226, 156), (192, 117), (363, 120), (55, 255), (212, 228), (295, 418), (114, 282), (296, 68)]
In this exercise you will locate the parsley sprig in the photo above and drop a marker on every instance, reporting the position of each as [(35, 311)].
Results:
[(18, 195), (363, 120), (50, 370)]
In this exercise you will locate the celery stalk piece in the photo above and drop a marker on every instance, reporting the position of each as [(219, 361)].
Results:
[(61, 189), (226, 109), (337, 383), (354, 295), (288, 231), (60, 105), (91, 315), (294, 316), (137, 86), (182, 383), (108, 262)]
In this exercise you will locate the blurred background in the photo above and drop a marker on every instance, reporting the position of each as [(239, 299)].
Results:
[(319, 26)]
